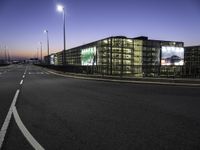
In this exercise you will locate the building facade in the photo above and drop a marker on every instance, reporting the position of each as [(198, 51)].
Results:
[(120, 55), (192, 61)]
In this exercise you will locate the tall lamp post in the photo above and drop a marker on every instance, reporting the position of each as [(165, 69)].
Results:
[(47, 32), (61, 8), (41, 51)]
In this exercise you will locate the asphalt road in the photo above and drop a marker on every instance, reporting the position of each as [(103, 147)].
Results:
[(9, 81), (65, 113)]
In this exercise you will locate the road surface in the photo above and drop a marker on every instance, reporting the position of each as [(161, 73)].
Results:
[(65, 113)]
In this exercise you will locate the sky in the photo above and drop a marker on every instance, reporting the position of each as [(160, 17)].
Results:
[(22, 22)]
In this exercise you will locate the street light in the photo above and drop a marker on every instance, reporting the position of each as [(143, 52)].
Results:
[(41, 51), (46, 31), (61, 8)]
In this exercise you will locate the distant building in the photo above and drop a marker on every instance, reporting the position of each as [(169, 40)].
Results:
[(120, 55), (192, 56), (192, 60)]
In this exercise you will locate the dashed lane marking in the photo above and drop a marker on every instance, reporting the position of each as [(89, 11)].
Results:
[(25, 132), (36, 73), (21, 82)]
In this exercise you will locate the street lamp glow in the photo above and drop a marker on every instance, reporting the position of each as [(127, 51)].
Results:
[(60, 8)]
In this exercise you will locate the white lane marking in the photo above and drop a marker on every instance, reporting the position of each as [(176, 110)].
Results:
[(21, 82), (36, 73), (23, 76), (7, 120), (25, 132), (25, 70)]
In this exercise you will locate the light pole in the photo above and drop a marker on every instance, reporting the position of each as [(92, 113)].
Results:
[(61, 8), (41, 51), (5, 54), (47, 32)]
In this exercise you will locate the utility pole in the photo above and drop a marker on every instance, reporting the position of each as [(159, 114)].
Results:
[(37, 53), (41, 51), (5, 55), (0, 53), (8, 56)]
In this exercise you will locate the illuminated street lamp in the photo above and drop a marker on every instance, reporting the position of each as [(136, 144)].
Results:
[(46, 31), (61, 8)]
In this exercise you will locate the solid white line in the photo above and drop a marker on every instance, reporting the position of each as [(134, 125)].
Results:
[(7, 120), (21, 82), (25, 132)]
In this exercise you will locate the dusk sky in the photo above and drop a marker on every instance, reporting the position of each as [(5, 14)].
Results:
[(22, 22)]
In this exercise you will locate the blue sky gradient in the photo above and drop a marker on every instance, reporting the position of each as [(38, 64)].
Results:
[(22, 22)]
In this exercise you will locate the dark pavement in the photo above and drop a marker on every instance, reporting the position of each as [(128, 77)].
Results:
[(10, 77), (65, 113)]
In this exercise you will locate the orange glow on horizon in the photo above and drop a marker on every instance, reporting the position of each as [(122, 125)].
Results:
[(30, 53)]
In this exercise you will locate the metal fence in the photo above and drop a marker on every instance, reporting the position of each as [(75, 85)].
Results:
[(133, 71)]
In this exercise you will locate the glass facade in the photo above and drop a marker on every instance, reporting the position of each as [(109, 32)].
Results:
[(192, 56), (192, 61), (119, 56)]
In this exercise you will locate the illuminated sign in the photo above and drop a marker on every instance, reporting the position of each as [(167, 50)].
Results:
[(52, 60), (88, 56), (172, 56)]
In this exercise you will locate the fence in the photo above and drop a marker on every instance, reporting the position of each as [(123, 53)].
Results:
[(134, 71)]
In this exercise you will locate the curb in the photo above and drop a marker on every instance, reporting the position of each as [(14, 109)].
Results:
[(124, 81)]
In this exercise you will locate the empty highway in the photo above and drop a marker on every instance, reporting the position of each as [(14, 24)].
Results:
[(75, 114)]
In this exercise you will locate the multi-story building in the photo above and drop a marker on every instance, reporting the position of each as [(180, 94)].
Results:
[(120, 55), (192, 56), (192, 61)]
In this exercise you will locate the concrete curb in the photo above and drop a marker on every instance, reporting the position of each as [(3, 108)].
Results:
[(123, 81)]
